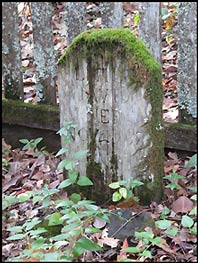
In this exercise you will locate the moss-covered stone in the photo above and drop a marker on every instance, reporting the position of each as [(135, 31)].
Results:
[(144, 71), (30, 115)]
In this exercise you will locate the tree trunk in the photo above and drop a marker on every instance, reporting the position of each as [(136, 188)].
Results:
[(44, 53), (11, 53), (111, 14), (187, 61), (150, 27), (75, 19)]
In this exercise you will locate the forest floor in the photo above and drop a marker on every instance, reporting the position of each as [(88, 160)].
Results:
[(24, 170)]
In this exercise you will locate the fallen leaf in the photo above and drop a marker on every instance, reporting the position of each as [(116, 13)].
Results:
[(123, 254), (54, 184), (110, 241), (173, 155), (38, 175), (13, 182), (99, 223), (39, 161), (182, 204)]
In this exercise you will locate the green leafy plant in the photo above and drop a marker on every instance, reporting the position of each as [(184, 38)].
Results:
[(124, 189), (192, 162), (33, 144), (69, 164), (148, 239), (63, 229), (173, 177)]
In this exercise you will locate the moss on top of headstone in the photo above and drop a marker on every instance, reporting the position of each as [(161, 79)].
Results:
[(123, 39)]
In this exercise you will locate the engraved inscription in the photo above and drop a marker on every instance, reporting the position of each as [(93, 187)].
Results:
[(103, 136), (104, 115), (82, 133)]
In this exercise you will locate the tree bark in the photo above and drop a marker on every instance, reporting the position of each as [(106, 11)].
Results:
[(75, 19), (187, 61), (11, 53), (150, 27), (111, 14), (44, 53)]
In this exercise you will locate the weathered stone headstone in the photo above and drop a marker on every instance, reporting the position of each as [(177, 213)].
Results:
[(110, 86)]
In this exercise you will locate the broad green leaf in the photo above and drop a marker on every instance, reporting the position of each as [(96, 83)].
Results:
[(54, 219), (59, 237), (163, 224), (70, 165), (65, 183), (46, 202), (193, 230), (62, 164), (75, 197), (90, 230), (136, 183), (17, 237), (193, 211), (72, 176), (114, 185), (37, 140), (52, 257), (24, 197), (146, 253), (131, 249), (187, 221), (61, 151), (26, 147), (192, 162), (116, 196), (88, 244), (194, 197), (69, 227), (156, 240), (173, 176), (62, 132), (173, 186), (84, 202), (123, 192), (64, 203), (104, 217), (37, 232), (30, 224), (84, 181), (15, 229), (38, 243), (37, 198), (172, 231), (193, 188), (80, 154), (24, 141), (144, 235), (61, 243), (78, 250)]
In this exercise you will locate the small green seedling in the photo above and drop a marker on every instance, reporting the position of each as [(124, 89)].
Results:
[(124, 189), (173, 178)]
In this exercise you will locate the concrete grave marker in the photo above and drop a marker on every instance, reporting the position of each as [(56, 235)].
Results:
[(110, 86)]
